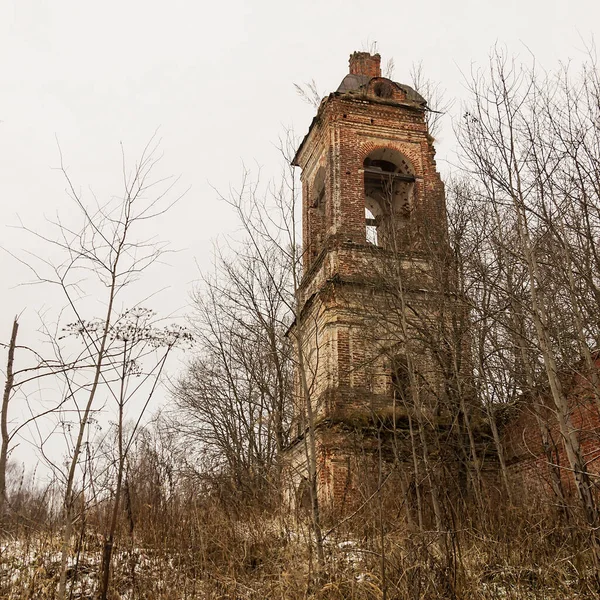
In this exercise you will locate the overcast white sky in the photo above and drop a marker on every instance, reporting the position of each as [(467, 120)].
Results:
[(217, 79)]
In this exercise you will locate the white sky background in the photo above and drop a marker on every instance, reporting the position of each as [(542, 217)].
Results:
[(217, 79)]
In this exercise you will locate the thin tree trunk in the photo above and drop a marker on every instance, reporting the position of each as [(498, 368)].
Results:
[(591, 369), (68, 499), (542, 423), (8, 388), (417, 406), (380, 481), (109, 542), (417, 478)]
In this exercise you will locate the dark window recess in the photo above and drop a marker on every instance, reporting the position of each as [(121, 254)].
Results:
[(320, 198), (400, 379), (318, 190), (303, 495), (379, 167)]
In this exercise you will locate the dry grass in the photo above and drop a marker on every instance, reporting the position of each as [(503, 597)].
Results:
[(206, 549)]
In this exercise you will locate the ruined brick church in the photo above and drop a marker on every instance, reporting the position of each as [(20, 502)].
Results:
[(376, 275), (381, 329)]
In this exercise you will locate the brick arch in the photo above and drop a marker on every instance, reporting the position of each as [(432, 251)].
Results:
[(391, 154), (314, 212), (386, 89)]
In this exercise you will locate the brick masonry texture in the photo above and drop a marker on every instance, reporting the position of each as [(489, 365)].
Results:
[(348, 324), (345, 322), (362, 63), (528, 463)]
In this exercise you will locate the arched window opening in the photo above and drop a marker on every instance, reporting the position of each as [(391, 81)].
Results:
[(400, 377), (389, 181)]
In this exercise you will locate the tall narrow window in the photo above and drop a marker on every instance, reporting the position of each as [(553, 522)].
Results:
[(400, 379), (318, 190), (316, 214)]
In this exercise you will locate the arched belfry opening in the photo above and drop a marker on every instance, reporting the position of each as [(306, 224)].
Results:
[(389, 181)]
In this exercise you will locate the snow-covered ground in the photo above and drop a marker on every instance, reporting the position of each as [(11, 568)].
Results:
[(30, 569)]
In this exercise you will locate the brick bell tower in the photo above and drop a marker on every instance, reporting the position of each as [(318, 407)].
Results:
[(374, 221)]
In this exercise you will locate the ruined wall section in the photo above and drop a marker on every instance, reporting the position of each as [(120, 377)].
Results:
[(527, 462)]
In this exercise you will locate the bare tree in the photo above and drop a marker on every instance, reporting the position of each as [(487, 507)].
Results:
[(269, 222), (102, 256), (522, 143), (309, 93), (19, 380), (234, 399), (437, 102)]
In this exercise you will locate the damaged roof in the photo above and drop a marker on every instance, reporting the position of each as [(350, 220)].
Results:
[(353, 83), (356, 83)]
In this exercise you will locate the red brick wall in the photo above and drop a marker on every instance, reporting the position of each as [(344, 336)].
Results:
[(362, 63), (346, 130), (523, 442)]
